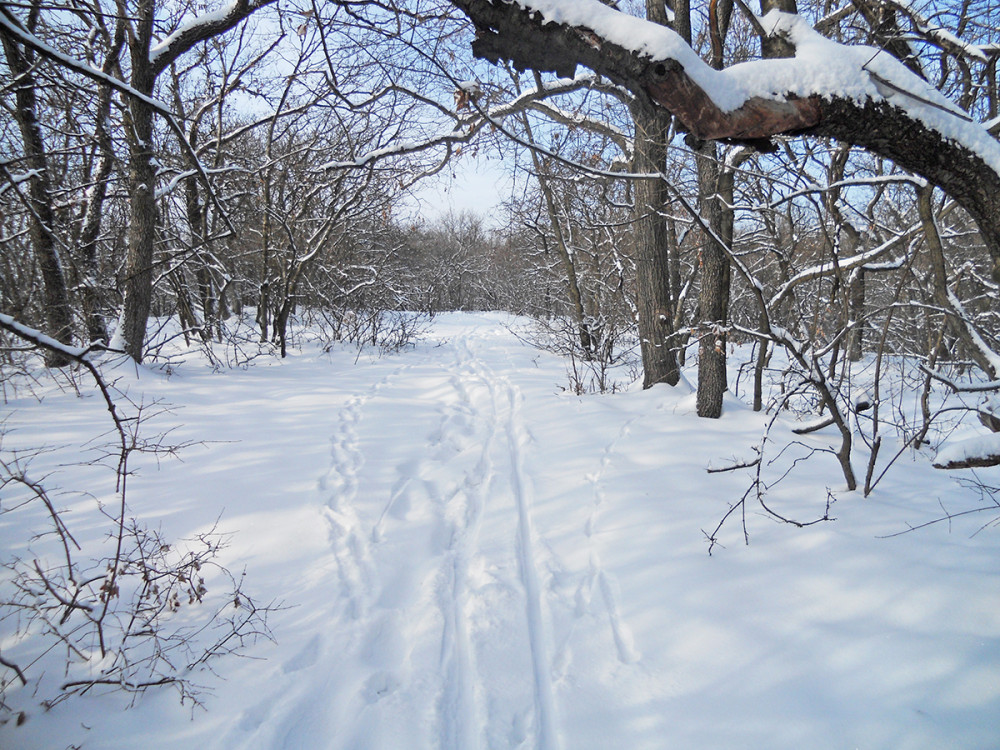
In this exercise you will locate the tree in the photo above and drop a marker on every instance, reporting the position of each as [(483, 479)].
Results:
[(874, 102), (656, 296), (41, 205), (148, 61)]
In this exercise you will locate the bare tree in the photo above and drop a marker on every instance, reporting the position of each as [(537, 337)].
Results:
[(39, 201)]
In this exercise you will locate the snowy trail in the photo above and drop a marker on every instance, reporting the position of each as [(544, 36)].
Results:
[(463, 421), (416, 617), (461, 621), (624, 642), (469, 558)]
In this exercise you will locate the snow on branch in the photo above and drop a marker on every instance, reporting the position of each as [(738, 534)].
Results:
[(842, 265), (753, 99), (857, 94), (39, 339), (76, 354), (938, 34), (971, 453), (468, 126), (8, 24), (200, 28), (592, 124)]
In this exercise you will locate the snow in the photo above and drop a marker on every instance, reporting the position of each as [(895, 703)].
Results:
[(469, 557), (980, 447), (34, 335), (940, 34)]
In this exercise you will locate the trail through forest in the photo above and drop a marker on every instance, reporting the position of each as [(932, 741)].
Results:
[(467, 556)]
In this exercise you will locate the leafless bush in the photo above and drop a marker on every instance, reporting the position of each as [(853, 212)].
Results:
[(127, 612), (607, 365), (386, 330), (236, 345)]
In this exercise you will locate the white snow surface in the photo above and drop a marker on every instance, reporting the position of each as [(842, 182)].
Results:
[(469, 557)]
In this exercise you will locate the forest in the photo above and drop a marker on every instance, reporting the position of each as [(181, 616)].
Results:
[(792, 208), (164, 161)]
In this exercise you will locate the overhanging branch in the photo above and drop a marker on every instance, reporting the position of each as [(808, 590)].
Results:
[(886, 120)]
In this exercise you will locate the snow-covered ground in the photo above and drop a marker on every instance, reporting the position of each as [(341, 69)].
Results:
[(469, 557)]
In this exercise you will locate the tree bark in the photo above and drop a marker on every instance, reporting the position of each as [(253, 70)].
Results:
[(93, 211), (776, 47), (42, 219), (713, 300), (138, 281), (955, 322), (654, 301)]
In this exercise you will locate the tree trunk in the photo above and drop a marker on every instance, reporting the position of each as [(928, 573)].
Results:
[(93, 211), (196, 228), (715, 279), (42, 221), (758, 370), (91, 229), (955, 321), (264, 301), (654, 301), (138, 281)]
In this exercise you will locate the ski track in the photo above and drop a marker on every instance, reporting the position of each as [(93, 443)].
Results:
[(487, 411), (379, 621), (459, 715), (510, 436), (518, 438)]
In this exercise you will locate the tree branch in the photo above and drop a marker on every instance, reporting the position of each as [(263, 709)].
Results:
[(865, 99)]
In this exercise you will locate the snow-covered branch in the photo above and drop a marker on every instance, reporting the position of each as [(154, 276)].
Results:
[(841, 265), (41, 340), (468, 126), (859, 95), (200, 28), (8, 25)]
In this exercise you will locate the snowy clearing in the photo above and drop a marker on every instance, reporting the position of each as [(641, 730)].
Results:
[(468, 557)]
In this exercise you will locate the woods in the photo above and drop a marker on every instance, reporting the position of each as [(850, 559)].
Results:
[(199, 163), (792, 208)]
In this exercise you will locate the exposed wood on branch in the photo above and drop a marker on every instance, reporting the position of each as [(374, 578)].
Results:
[(971, 462), (671, 87)]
